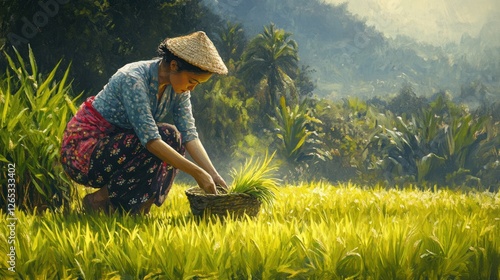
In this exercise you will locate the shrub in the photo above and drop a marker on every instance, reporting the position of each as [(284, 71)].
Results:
[(443, 145), (406, 102), (34, 111), (344, 131)]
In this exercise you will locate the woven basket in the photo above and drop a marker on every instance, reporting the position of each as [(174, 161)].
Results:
[(236, 205)]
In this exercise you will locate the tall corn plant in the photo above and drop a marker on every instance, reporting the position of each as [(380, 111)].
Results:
[(292, 129), (299, 144), (34, 111)]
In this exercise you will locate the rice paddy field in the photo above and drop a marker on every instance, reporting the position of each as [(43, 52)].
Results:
[(313, 231)]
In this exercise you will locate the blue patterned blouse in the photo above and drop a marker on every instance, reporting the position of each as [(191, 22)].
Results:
[(129, 100)]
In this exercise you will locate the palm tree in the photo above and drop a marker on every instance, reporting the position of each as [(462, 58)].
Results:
[(271, 56), (231, 41)]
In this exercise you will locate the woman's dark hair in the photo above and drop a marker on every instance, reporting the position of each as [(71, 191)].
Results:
[(182, 65)]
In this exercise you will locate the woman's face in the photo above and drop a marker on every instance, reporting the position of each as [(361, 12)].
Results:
[(182, 81)]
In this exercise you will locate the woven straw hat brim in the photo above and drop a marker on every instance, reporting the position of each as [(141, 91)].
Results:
[(198, 50)]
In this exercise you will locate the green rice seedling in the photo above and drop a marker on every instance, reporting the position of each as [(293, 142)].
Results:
[(256, 178), (314, 231)]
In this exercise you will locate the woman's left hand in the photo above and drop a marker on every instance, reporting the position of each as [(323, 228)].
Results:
[(218, 180), (198, 153)]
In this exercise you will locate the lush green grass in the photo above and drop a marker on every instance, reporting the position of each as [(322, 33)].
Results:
[(314, 231)]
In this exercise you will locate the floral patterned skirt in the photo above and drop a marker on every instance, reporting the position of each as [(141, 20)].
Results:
[(99, 154)]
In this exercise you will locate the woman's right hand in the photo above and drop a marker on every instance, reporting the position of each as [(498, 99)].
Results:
[(205, 182)]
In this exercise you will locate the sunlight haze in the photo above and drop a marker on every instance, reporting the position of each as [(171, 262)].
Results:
[(436, 22)]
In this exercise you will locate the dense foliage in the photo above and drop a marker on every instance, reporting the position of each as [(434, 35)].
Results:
[(440, 144), (265, 104), (98, 36), (34, 109)]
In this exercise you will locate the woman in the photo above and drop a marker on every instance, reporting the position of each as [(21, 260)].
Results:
[(117, 141)]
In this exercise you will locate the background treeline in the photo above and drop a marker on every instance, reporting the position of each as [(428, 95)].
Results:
[(268, 102), (351, 58), (346, 56), (98, 37)]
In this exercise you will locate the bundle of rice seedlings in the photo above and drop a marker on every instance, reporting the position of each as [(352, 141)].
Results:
[(256, 178)]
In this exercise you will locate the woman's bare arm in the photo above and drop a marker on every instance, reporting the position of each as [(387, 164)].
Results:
[(167, 154), (198, 153)]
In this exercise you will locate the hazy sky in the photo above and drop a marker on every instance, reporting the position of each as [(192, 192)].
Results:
[(433, 21)]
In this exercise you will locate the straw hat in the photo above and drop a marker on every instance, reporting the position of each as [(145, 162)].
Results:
[(197, 49)]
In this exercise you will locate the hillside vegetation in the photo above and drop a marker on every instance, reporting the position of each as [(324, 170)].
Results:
[(351, 58)]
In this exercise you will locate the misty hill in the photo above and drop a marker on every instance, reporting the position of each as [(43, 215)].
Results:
[(352, 58)]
